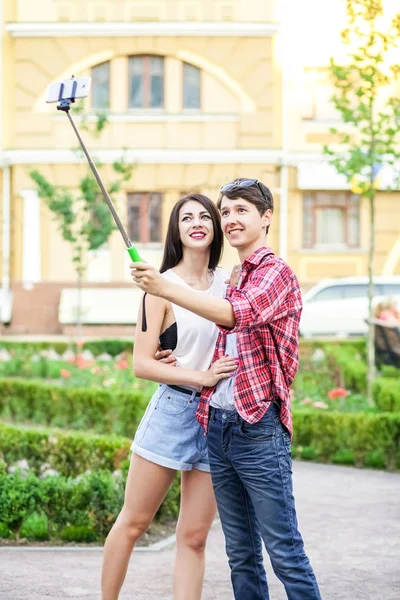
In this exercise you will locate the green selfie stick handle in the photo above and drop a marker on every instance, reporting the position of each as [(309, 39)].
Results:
[(134, 254)]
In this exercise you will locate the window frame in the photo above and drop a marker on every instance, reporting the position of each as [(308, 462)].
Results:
[(347, 207), (146, 82), (144, 199), (92, 105), (191, 108)]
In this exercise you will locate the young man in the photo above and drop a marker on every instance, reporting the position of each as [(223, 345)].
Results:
[(247, 417)]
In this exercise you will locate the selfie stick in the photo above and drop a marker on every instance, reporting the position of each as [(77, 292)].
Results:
[(65, 105)]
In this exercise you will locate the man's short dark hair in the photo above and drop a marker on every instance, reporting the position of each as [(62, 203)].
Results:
[(256, 193)]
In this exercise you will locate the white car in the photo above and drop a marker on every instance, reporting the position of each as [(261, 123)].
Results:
[(339, 306)]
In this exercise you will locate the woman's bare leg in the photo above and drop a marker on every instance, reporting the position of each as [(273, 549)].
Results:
[(146, 487), (197, 512)]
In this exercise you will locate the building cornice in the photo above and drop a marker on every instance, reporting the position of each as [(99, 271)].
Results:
[(184, 156), (143, 29)]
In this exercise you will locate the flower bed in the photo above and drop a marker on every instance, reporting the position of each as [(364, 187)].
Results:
[(69, 485)]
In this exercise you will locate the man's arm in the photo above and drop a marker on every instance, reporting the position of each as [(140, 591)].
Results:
[(271, 293), (216, 310)]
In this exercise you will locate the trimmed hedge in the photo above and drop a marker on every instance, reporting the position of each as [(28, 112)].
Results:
[(85, 507), (96, 347), (100, 411), (74, 408), (361, 439), (386, 394), (82, 509), (116, 346), (68, 453)]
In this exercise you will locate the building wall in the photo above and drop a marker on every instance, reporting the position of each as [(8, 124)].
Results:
[(248, 80)]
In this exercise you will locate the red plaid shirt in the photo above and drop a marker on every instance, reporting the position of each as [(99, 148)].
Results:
[(267, 309)]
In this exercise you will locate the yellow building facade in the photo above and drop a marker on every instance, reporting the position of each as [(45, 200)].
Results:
[(196, 92)]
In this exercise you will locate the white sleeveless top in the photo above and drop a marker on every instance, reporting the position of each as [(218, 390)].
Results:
[(196, 336)]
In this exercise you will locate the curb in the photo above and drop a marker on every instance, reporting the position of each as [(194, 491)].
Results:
[(156, 547)]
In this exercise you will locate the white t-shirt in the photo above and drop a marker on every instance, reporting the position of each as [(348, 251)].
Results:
[(223, 393), (196, 336)]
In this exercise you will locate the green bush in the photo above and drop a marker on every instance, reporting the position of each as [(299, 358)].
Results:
[(80, 509), (386, 394), (355, 375), (92, 501), (35, 527), (112, 347), (19, 497), (78, 533), (362, 439), (389, 371), (84, 508), (5, 532), (75, 408), (68, 453), (117, 346), (351, 346)]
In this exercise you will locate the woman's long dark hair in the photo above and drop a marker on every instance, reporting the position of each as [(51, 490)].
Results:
[(173, 252)]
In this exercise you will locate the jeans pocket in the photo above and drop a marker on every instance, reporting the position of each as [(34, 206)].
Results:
[(173, 405), (257, 432)]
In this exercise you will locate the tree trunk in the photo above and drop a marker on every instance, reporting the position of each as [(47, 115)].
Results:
[(371, 328), (79, 271), (79, 308)]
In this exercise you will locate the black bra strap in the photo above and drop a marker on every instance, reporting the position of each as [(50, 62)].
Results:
[(144, 320)]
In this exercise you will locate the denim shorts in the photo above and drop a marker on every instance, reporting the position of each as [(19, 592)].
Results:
[(169, 433)]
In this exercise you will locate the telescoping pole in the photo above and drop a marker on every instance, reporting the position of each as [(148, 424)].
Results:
[(65, 106)]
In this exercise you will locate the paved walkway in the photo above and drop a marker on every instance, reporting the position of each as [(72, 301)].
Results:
[(350, 520)]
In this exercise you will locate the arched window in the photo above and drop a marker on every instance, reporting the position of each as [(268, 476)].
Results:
[(146, 82), (191, 86), (101, 85)]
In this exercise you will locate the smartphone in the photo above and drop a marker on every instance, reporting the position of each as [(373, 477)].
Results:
[(67, 90)]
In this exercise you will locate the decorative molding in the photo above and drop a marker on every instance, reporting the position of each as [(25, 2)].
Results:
[(313, 170), (185, 156), (143, 29), (148, 117)]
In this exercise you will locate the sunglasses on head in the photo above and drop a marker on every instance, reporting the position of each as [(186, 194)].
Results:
[(245, 183)]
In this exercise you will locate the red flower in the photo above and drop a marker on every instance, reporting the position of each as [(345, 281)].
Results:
[(123, 364), (337, 393), (64, 373)]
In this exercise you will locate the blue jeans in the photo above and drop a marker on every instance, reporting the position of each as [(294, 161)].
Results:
[(251, 470)]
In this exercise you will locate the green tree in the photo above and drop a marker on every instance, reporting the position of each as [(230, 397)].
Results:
[(82, 214), (370, 134)]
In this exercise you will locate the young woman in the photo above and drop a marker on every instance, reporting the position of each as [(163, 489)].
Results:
[(169, 438)]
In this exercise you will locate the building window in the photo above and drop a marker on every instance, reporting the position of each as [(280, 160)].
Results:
[(317, 95), (331, 220), (191, 86), (144, 217), (101, 86), (146, 82)]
